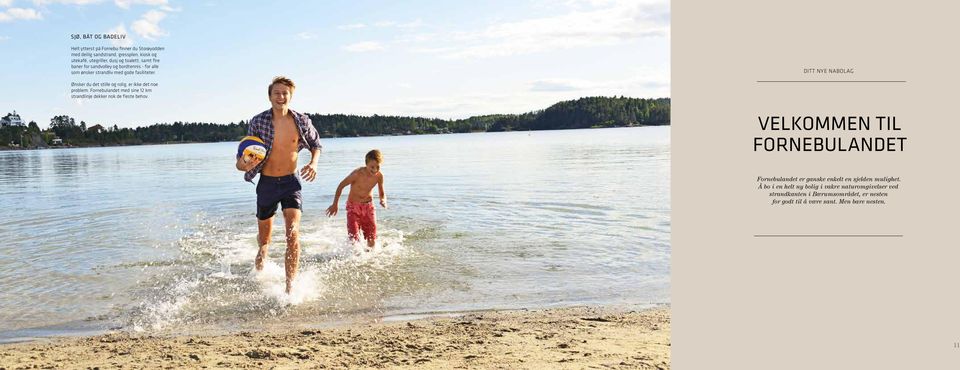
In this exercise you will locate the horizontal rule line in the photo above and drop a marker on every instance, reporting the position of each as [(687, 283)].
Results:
[(832, 81), (828, 236)]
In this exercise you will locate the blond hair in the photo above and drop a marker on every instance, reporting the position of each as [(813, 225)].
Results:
[(283, 81), (374, 155)]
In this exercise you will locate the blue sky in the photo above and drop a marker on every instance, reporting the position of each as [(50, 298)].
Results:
[(446, 59)]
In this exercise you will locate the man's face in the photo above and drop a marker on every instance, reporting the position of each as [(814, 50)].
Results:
[(373, 167), (280, 96)]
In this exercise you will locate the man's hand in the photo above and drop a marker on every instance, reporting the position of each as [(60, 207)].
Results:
[(248, 162), (383, 202), (332, 210), (309, 172)]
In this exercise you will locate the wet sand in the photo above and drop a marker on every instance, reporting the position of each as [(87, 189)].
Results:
[(574, 338)]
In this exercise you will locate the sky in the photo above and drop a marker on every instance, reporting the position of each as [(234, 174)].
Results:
[(443, 59)]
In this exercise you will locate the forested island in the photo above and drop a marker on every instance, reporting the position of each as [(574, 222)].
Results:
[(588, 112)]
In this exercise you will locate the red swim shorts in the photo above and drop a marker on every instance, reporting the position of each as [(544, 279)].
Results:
[(361, 216)]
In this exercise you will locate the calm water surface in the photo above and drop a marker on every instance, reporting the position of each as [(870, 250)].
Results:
[(162, 238)]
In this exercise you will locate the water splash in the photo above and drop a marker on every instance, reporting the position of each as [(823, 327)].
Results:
[(306, 286), (217, 282), (161, 313)]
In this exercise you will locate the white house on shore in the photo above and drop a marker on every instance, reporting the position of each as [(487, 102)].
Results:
[(11, 119)]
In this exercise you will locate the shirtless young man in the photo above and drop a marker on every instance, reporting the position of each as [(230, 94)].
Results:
[(360, 212), (284, 133)]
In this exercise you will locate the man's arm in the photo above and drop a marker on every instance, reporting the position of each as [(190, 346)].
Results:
[(309, 172), (247, 162), (383, 196), (251, 161), (312, 136), (332, 210)]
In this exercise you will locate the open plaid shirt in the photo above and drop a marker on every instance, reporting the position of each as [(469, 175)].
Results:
[(261, 126)]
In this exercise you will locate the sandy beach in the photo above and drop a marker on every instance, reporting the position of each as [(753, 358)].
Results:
[(574, 338)]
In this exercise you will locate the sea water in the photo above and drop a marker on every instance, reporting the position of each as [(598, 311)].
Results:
[(162, 238)]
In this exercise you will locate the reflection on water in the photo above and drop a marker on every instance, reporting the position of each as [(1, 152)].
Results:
[(67, 163), (163, 237), (18, 166)]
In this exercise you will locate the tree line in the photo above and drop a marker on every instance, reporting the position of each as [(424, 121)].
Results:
[(581, 113), (589, 112)]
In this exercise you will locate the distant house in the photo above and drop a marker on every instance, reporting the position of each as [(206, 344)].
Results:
[(11, 119), (95, 128), (57, 141)]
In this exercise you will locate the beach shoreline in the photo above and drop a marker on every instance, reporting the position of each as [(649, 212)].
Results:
[(576, 337)]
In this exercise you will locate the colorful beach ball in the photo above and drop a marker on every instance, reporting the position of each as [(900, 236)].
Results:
[(254, 145)]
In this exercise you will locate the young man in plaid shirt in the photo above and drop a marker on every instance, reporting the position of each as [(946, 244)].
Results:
[(284, 133)]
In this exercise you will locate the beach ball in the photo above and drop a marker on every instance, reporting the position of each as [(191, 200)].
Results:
[(252, 144)]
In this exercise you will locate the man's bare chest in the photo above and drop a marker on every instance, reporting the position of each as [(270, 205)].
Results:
[(285, 134)]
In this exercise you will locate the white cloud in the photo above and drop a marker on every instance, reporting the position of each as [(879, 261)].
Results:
[(414, 24), (644, 83), (4, 38), (148, 26), (647, 83), (616, 23), (456, 106), (6, 3), (415, 37), (121, 30), (556, 85), (577, 4), (125, 4), (66, 2), (354, 26), (365, 46), (439, 50), (307, 35), (13, 14), (383, 24)]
